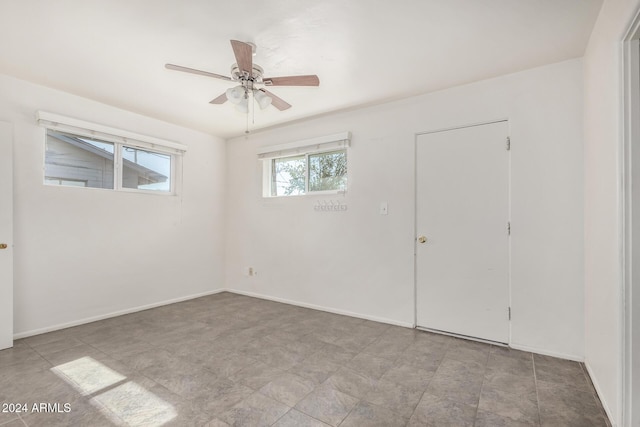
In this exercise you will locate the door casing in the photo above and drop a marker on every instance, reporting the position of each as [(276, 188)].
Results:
[(6, 235)]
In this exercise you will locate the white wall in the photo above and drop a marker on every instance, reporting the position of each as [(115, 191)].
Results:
[(603, 256), (362, 263), (85, 253)]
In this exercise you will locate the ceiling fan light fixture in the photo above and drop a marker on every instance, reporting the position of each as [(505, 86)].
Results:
[(243, 106), (262, 99), (235, 95)]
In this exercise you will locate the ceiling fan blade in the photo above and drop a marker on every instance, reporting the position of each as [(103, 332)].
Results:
[(244, 55), (310, 80), (277, 102), (194, 71), (219, 100)]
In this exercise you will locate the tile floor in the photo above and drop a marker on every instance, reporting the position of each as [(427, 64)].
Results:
[(227, 359)]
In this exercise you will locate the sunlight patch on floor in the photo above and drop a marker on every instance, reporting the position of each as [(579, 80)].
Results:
[(127, 404), (132, 405), (87, 375)]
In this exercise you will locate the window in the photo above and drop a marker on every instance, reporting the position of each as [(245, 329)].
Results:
[(328, 171), (82, 157), (288, 176), (70, 160), (306, 167), (146, 170)]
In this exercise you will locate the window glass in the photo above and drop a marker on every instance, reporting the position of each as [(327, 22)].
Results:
[(307, 173), (145, 170), (78, 161), (288, 176), (328, 171), (70, 182)]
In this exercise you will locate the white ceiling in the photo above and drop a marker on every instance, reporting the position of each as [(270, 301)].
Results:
[(364, 51)]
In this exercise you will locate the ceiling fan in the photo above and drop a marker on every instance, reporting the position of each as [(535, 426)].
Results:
[(250, 78)]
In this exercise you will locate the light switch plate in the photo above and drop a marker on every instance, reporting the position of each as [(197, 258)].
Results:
[(384, 208)]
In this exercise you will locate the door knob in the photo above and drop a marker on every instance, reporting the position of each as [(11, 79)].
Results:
[(422, 239), (3, 246)]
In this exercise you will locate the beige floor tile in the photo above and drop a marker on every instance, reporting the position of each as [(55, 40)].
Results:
[(229, 359)]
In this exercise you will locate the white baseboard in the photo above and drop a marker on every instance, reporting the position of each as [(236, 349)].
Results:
[(112, 314), (596, 385), (547, 352), (322, 308)]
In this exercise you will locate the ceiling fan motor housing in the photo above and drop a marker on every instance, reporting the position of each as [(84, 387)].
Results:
[(238, 75)]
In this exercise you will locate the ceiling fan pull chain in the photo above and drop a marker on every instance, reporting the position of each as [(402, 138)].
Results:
[(247, 128), (253, 111)]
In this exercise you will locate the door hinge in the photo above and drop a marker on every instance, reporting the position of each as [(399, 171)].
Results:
[(509, 313), (509, 228), (508, 143)]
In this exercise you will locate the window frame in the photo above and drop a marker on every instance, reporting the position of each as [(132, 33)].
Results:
[(306, 148), (119, 139), (269, 176)]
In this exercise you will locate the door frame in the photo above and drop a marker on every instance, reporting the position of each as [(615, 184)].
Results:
[(630, 314), (415, 220), (9, 240)]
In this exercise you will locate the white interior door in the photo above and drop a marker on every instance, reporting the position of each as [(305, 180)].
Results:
[(462, 209), (6, 235)]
